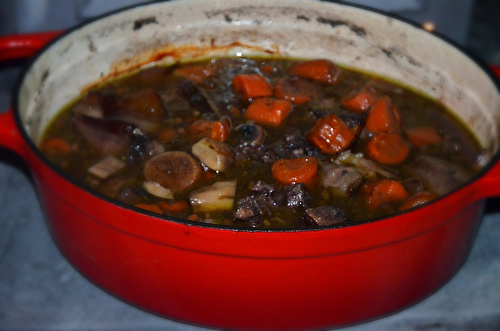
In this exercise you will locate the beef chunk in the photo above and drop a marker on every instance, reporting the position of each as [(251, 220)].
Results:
[(294, 145), (264, 197), (345, 180), (260, 153), (251, 207), (324, 215), (296, 196)]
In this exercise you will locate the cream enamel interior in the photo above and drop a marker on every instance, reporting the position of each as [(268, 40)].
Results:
[(292, 28)]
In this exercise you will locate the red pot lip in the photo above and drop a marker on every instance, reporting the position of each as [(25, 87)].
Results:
[(36, 151)]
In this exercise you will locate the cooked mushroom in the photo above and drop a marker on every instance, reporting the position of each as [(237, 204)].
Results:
[(214, 154), (250, 134), (176, 171), (156, 189), (219, 196)]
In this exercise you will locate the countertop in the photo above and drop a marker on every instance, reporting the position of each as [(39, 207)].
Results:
[(40, 290)]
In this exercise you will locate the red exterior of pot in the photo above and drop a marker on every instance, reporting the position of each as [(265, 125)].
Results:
[(259, 280)]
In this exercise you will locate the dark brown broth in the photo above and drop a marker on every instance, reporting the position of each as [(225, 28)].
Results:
[(416, 109)]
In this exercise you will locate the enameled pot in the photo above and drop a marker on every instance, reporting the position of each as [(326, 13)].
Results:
[(241, 278)]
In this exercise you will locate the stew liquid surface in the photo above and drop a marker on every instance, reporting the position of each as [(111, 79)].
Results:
[(263, 143)]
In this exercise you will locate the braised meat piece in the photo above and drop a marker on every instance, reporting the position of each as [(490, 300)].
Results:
[(296, 196), (294, 145), (260, 153), (324, 215)]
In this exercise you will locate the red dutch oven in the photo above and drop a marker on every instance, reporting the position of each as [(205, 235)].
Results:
[(231, 278)]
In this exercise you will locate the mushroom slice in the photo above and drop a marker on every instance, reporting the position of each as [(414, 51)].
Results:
[(174, 170), (250, 134), (214, 154), (218, 196), (157, 190), (106, 167)]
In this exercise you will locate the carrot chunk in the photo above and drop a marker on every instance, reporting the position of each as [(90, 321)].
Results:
[(387, 148), (331, 135), (423, 136), (268, 111), (252, 86), (359, 101), (384, 117), (268, 69), (324, 71), (175, 206), (220, 129), (384, 191), (152, 208), (297, 90), (55, 146), (418, 199), (293, 171), (166, 135), (196, 73), (199, 128)]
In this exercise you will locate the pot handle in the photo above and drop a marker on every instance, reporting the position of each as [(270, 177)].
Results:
[(16, 47), (24, 45), (488, 186)]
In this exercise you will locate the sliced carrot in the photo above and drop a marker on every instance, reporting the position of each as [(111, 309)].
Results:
[(193, 217), (331, 135), (166, 135), (387, 148), (423, 136), (199, 128), (196, 73), (324, 71), (384, 191), (175, 206), (55, 146), (292, 88), (252, 86), (384, 117), (418, 199), (360, 101), (220, 130), (268, 69), (269, 111), (152, 208), (293, 171)]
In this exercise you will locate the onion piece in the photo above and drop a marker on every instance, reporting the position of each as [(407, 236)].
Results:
[(106, 167), (367, 168), (157, 190), (218, 196)]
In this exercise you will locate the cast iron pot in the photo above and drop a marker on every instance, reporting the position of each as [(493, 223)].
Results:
[(245, 278)]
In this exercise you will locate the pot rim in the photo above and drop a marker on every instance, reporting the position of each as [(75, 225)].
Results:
[(35, 149)]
